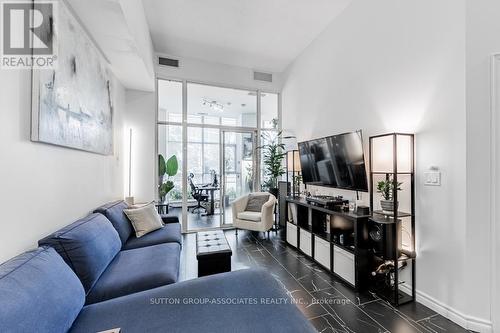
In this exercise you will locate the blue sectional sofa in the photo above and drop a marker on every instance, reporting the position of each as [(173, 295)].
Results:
[(95, 275), (170, 233), (94, 250), (40, 293)]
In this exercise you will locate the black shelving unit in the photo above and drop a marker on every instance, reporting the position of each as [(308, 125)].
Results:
[(352, 226), (392, 231)]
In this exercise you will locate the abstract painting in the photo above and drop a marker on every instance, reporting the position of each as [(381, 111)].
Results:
[(72, 105)]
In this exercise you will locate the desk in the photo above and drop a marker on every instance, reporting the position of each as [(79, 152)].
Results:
[(210, 190)]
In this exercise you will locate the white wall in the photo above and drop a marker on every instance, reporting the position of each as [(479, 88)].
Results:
[(209, 72), (482, 22), (45, 187), (495, 202), (140, 115), (392, 65)]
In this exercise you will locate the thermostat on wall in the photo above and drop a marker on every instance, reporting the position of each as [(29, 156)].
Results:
[(432, 177)]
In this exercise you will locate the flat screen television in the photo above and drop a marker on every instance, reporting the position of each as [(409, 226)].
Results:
[(335, 161)]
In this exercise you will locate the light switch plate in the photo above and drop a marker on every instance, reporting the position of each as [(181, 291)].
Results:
[(432, 178)]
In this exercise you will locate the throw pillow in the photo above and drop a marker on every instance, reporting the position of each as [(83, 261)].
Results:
[(256, 201), (144, 219), (142, 204)]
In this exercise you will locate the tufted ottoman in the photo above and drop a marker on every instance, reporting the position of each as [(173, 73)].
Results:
[(213, 252)]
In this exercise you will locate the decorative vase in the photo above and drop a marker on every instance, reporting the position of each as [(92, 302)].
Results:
[(388, 205)]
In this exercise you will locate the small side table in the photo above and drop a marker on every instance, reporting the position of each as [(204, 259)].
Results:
[(162, 207)]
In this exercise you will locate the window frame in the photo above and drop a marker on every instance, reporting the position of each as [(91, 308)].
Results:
[(185, 125)]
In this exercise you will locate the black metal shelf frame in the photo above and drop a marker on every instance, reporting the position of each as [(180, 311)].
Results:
[(313, 215), (394, 294)]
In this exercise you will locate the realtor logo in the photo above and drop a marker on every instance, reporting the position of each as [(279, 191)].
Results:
[(28, 34)]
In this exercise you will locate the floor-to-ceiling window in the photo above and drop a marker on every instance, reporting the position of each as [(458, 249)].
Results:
[(214, 132), (170, 135), (270, 127)]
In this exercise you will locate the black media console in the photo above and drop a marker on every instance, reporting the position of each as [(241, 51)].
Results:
[(337, 240)]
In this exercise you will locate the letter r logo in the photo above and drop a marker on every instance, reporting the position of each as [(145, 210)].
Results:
[(27, 28)]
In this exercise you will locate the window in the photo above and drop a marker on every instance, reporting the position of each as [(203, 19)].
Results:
[(214, 121), (170, 143), (267, 137), (170, 101), (269, 111), (269, 126), (215, 105), (202, 153)]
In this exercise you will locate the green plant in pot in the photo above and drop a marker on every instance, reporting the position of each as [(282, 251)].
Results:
[(166, 170), (387, 188), (249, 177), (273, 155), (297, 180)]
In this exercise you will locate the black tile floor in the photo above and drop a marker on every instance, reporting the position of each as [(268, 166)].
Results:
[(330, 305)]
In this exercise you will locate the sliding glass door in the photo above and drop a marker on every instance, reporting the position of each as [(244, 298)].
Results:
[(203, 173), (238, 168)]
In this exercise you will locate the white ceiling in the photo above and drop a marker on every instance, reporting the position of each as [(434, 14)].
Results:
[(259, 34)]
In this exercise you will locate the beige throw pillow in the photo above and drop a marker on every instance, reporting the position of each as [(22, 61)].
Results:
[(256, 201), (144, 219)]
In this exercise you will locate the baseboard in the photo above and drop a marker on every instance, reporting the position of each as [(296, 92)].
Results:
[(468, 322)]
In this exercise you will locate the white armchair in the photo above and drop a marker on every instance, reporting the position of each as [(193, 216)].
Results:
[(255, 221)]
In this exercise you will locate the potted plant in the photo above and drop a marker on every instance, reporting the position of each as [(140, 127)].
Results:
[(273, 155), (297, 180), (249, 177), (169, 169), (387, 188)]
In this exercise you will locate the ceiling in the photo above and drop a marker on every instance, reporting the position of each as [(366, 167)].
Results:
[(120, 30), (260, 34)]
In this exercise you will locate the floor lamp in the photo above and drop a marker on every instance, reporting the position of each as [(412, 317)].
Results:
[(293, 167)]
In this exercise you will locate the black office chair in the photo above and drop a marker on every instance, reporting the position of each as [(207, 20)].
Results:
[(197, 194)]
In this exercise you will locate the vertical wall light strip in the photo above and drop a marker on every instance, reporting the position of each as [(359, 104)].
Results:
[(257, 165), (130, 164), (184, 222), (129, 199)]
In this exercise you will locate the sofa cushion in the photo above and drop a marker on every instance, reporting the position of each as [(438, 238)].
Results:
[(256, 201), (87, 245), (39, 293), (114, 213), (137, 270), (167, 308), (170, 233), (250, 216)]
